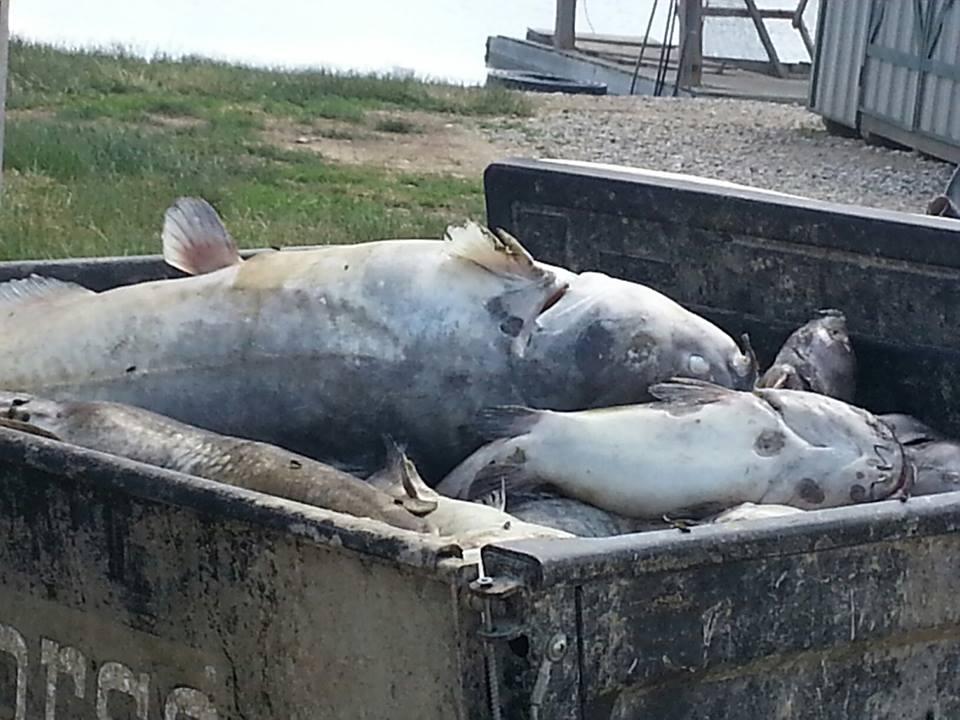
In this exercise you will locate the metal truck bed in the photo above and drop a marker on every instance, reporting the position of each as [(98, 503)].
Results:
[(132, 592)]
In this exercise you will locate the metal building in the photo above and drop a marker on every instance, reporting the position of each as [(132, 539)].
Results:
[(891, 69)]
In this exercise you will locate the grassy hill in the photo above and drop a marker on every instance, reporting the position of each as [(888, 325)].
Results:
[(100, 142)]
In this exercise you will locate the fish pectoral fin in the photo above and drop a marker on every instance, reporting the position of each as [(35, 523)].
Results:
[(36, 288), (781, 375), (25, 427), (501, 477), (689, 391), (497, 498), (195, 240)]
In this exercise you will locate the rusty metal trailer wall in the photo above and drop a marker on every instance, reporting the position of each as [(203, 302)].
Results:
[(832, 615), (131, 592), (892, 70)]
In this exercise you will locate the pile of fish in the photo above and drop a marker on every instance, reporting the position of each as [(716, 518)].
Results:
[(456, 387)]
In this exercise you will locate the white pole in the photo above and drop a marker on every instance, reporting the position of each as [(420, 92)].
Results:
[(4, 54)]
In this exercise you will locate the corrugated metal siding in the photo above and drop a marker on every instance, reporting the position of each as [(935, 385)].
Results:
[(940, 111), (890, 90), (875, 70), (841, 41)]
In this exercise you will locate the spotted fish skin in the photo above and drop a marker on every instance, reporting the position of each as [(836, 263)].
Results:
[(697, 451)]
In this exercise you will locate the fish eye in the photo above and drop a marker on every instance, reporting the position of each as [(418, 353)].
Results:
[(698, 365)]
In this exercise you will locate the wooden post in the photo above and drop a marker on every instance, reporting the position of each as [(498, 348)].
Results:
[(801, 26), (564, 30), (4, 50), (778, 68), (691, 43)]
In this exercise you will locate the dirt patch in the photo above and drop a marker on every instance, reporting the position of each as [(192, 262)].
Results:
[(31, 114), (406, 141), (174, 122)]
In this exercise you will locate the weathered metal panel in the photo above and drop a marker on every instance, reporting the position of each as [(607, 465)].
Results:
[(837, 614), (939, 114), (831, 615), (840, 44), (890, 89), (127, 591), (891, 69), (910, 76)]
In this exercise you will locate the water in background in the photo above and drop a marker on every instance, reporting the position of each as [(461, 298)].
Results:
[(432, 38)]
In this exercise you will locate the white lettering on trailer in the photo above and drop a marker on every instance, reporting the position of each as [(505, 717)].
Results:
[(114, 676), (12, 643), (192, 703), (180, 703), (68, 660)]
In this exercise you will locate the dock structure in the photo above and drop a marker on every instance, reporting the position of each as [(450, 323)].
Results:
[(674, 65)]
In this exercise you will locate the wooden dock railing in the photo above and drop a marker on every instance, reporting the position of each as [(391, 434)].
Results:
[(694, 11), (692, 14)]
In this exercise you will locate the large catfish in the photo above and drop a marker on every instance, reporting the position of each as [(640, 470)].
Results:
[(324, 350)]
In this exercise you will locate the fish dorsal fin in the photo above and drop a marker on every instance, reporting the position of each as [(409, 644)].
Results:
[(529, 288), (501, 254), (195, 240), (689, 391), (36, 288), (401, 480)]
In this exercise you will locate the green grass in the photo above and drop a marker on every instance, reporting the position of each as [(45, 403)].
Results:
[(98, 144), (118, 84)]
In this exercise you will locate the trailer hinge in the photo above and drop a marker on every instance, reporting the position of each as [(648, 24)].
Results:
[(494, 629)]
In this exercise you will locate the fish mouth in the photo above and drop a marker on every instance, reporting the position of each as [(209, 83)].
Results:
[(905, 481)]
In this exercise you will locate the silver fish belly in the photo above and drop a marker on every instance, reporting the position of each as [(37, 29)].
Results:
[(699, 450)]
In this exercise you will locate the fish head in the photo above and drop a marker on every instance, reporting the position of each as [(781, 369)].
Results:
[(822, 355), (606, 341), (850, 455), (38, 412)]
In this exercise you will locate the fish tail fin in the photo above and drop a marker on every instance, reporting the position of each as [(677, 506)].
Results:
[(506, 421), (195, 240)]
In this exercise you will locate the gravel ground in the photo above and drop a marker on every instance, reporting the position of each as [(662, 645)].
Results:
[(767, 145)]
